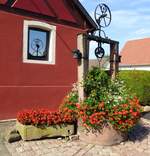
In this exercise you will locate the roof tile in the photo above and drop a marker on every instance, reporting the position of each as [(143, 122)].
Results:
[(136, 52)]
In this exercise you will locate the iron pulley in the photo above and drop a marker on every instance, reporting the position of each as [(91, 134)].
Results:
[(99, 52), (102, 15)]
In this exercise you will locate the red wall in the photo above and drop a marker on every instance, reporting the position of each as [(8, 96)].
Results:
[(24, 85)]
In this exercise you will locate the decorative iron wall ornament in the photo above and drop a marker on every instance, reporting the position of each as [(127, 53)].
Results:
[(103, 19)]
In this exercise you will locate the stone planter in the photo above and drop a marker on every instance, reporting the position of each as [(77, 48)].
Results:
[(106, 136), (29, 132)]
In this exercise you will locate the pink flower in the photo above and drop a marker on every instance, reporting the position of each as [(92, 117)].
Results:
[(78, 105)]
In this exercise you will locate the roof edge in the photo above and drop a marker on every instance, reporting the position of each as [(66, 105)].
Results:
[(85, 13), (138, 39), (10, 3)]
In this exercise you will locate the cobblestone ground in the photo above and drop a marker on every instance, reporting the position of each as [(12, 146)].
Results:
[(137, 145)]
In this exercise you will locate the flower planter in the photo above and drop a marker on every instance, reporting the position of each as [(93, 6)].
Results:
[(106, 136), (29, 132)]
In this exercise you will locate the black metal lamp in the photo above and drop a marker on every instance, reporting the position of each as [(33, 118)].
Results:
[(77, 54)]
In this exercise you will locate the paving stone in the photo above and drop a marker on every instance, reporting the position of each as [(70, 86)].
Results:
[(85, 150), (15, 154), (114, 154), (107, 150), (3, 150), (20, 149), (139, 145)]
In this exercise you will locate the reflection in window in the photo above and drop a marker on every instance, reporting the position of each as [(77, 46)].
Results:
[(38, 44)]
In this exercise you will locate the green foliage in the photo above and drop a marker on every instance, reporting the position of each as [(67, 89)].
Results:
[(68, 108), (117, 93), (139, 83), (69, 101), (96, 83), (99, 87), (108, 101)]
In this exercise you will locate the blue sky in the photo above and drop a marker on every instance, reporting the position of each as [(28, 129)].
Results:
[(130, 19)]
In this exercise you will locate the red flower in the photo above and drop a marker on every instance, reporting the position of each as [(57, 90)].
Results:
[(101, 105), (120, 122), (78, 105), (96, 118), (135, 113), (45, 117)]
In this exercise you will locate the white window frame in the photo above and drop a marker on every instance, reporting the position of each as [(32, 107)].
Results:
[(52, 41)]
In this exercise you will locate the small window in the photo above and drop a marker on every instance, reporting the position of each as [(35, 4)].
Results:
[(39, 42)]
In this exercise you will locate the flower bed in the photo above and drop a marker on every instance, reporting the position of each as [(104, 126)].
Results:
[(41, 123), (106, 115), (108, 112), (108, 126), (123, 116)]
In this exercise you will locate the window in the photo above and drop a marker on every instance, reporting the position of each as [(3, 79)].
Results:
[(39, 42)]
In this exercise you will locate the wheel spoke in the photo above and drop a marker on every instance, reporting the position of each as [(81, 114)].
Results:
[(105, 22), (100, 20), (101, 9), (98, 14), (102, 15), (107, 17)]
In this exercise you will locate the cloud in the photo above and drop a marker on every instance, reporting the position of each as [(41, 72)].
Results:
[(124, 18), (130, 19), (142, 31), (129, 24), (138, 2)]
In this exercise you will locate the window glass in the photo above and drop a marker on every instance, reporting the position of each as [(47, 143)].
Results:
[(38, 44)]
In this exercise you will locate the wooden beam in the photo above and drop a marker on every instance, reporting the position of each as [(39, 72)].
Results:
[(100, 39), (10, 2), (116, 58), (114, 52), (114, 64), (83, 64)]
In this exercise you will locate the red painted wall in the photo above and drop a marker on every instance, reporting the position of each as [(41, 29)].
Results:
[(24, 85), (3, 1), (50, 7)]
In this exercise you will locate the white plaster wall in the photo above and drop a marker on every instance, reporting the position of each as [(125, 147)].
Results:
[(147, 68)]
